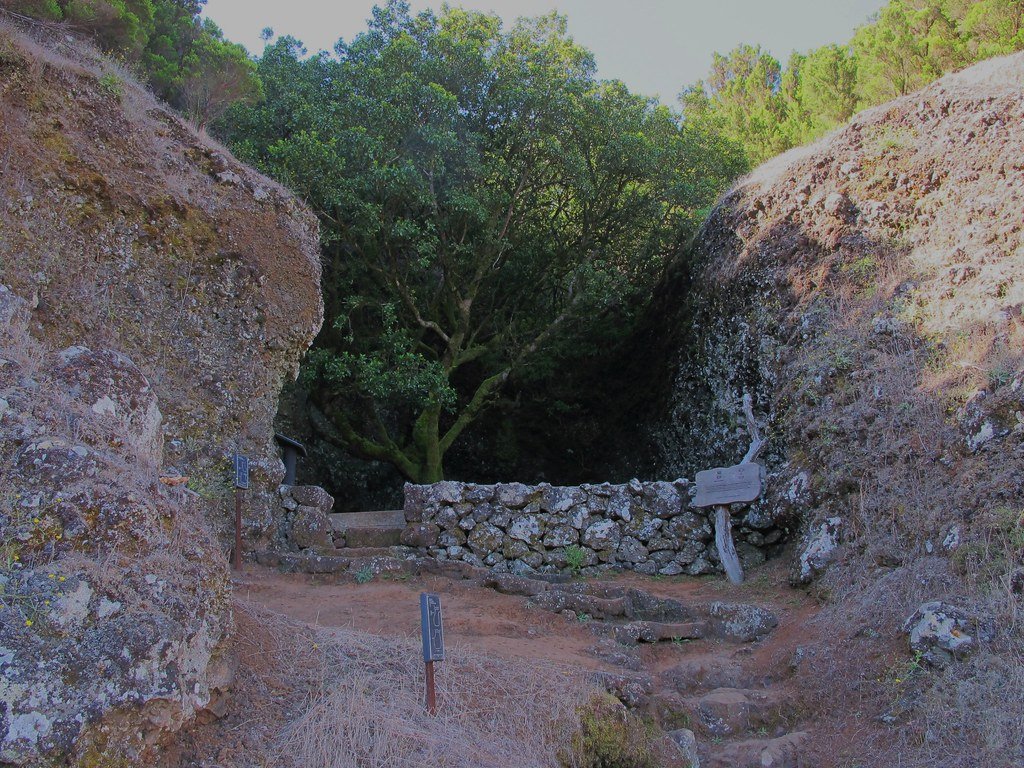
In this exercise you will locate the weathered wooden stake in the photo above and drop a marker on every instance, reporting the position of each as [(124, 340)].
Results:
[(431, 691), (239, 493), (726, 548)]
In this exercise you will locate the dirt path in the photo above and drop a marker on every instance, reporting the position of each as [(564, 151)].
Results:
[(504, 625)]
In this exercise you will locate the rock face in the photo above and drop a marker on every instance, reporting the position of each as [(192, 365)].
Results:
[(149, 316), (128, 240), (109, 575), (646, 527), (866, 291)]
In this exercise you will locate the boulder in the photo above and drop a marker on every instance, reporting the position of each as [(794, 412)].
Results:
[(740, 622), (485, 538), (686, 744), (561, 536), (818, 550), (420, 535), (602, 535), (525, 528), (940, 633), (312, 496), (311, 528)]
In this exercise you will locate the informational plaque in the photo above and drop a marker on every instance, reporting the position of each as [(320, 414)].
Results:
[(433, 631), (728, 485), (241, 471)]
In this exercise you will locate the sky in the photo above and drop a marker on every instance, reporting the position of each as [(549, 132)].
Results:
[(656, 47)]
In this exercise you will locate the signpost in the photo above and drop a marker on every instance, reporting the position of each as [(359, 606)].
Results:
[(433, 641), (241, 485)]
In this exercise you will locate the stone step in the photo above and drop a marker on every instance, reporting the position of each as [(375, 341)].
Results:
[(314, 563), (369, 529), (705, 672), (388, 518), (657, 631), (782, 752), (737, 711)]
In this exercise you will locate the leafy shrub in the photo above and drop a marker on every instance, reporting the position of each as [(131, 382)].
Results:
[(112, 85), (609, 737)]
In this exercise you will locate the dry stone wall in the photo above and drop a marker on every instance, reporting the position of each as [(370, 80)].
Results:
[(648, 527)]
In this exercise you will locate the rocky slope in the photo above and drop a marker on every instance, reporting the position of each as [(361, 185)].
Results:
[(867, 290), (156, 296)]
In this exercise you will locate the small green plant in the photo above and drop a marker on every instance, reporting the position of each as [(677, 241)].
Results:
[(583, 618), (575, 556), (862, 270), (999, 376), (112, 85), (364, 575), (213, 483)]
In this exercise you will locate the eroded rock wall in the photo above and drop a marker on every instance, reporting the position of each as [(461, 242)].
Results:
[(866, 291), (126, 230), (154, 295)]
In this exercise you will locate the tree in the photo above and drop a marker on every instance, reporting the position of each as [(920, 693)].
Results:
[(484, 199), (121, 26), (905, 48), (742, 99), (994, 27), (824, 89), (215, 75)]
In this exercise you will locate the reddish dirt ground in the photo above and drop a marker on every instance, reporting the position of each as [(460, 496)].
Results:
[(503, 625)]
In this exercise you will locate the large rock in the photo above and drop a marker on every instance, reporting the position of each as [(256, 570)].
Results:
[(602, 535), (312, 496), (166, 311), (818, 550), (128, 654), (311, 528), (421, 535), (211, 292), (940, 633)]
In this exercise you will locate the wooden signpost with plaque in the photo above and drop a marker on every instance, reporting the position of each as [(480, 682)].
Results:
[(433, 642), (738, 484), (241, 486)]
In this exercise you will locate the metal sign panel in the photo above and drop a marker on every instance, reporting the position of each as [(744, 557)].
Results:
[(433, 631), (241, 471), (728, 485)]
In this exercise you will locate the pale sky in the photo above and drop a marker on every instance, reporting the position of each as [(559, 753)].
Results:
[(655, 46)]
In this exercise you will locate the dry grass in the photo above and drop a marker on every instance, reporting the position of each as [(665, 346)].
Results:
[(319, 698)]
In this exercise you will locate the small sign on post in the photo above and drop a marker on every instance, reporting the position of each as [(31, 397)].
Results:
[(241, 485), (728, 485), (241, 472), (433, 641)]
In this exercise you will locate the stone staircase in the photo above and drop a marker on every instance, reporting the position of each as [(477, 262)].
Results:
[(714, 706)]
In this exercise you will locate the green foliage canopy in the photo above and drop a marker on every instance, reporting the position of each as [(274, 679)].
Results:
[(485, 202), (184, 58), (907, 45)]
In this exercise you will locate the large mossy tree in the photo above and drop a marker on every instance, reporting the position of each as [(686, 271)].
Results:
[(486, 204)]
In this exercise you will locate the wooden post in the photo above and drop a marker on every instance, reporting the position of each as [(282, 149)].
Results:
[(239, 493), (431, 691), (726, 547)]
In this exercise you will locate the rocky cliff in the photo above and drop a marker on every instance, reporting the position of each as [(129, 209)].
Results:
[(156, 296), (867, 291)]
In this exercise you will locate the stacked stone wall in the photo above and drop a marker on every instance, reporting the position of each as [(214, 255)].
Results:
[(648, 527)]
